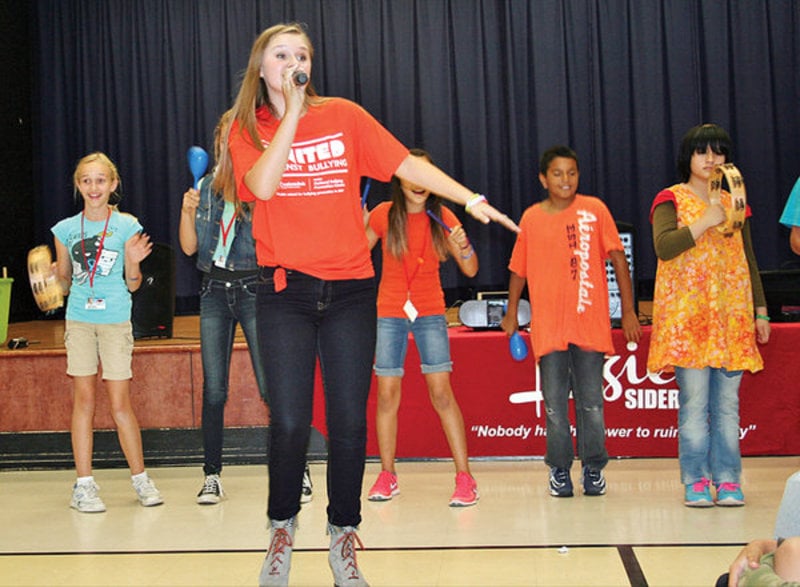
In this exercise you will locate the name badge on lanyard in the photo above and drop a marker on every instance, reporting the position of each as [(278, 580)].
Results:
[(95, 304), (410, 310)]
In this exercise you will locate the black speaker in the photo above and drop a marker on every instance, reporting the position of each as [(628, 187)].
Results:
[(782, 290), (627, 236), (154, 302)]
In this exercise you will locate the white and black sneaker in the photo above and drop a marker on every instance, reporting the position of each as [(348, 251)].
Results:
[(212, 492), (307, 493), (594, 483), (560, 482)]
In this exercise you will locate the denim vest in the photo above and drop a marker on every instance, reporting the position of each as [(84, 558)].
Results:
[(242, 255)]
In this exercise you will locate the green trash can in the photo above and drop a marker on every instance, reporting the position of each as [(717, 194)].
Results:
[(5, 306)]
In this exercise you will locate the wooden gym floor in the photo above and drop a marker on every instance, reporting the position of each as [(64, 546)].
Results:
[(637, 534)]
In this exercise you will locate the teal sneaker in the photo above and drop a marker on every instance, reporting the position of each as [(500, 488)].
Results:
[(698, 495), (729, 495)]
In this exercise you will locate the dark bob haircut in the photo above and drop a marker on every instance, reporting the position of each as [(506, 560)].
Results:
[(552, 153), (697, 140)]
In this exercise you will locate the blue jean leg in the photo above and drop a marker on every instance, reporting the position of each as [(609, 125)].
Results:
[(334, 321), (223, 305), (583, 372), (587, 389), (391, 347), (433, 343), (430, 336), (708, 424)]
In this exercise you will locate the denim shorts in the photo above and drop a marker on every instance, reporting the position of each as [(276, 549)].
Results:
[(430, 336)]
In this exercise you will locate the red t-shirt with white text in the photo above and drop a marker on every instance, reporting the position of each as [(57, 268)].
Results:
[(314, 222)]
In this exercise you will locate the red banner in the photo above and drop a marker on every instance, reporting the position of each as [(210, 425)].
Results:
[(504, 414)]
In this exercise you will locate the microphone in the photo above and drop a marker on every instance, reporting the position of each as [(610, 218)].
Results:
[(300, 78)]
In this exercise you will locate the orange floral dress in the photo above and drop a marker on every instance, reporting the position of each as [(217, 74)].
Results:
[(703, 301)]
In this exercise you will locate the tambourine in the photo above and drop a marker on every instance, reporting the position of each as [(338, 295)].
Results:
[(46, 289), (734, 201)]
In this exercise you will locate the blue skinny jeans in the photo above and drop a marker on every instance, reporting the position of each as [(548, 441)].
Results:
[(223, 304)]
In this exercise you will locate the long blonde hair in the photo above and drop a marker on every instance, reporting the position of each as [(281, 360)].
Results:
[(223, 181), (252, 95)]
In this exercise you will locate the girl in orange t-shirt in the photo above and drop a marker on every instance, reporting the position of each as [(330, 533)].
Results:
[(410, 299), (300, 158)]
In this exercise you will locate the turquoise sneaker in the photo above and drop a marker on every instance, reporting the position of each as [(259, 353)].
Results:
[(698, 495), (729, 495)]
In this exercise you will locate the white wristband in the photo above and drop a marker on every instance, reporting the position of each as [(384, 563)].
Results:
[(474, 200)]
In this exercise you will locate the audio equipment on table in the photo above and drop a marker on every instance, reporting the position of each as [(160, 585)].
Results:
[(489, 313)]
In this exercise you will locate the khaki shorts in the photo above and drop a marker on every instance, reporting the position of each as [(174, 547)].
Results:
[(109, 344)]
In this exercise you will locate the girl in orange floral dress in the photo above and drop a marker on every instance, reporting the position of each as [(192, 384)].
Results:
[(705, 326)]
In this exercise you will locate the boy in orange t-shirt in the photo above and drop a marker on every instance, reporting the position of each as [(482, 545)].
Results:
[(561, 251)]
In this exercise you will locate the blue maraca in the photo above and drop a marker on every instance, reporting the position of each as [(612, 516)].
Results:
[(518, 348), (198, 163)]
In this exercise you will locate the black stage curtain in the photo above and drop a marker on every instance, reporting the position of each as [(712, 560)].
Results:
[(484, 85)]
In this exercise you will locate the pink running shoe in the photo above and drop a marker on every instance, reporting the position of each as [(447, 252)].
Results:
[(466, 492), (385, 487)]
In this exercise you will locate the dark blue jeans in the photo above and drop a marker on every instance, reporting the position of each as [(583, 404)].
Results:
[(223, 304), (581, 371), (335, 322)]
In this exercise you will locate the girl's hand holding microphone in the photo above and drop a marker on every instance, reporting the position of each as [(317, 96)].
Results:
[(294, 87)]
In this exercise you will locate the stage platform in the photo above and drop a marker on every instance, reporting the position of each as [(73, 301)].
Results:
[(500, 399), (166, 393)]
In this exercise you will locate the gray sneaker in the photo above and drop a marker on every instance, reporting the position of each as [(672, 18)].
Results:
[(147, 493), (85, 498), (307, 493), (278, 562), (342, 557)]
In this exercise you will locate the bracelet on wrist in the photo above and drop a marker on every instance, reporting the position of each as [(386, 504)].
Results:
[(465, 257), (762, 317), (134, 278), (474, 201)]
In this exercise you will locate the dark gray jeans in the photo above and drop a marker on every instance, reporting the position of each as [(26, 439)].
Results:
[(581, 371)]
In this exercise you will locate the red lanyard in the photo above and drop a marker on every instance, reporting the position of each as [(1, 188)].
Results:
[(420, 260), (93, 269), (226, 231)]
